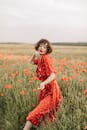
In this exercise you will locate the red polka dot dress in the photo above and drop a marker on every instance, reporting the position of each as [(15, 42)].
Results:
[(50, 97)]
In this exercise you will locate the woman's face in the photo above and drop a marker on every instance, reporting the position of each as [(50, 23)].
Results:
[(42, 49)]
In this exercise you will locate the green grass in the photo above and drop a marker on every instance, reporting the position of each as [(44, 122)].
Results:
[(14, 107)]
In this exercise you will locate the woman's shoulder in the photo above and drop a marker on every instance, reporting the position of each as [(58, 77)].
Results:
[(49, 64), (47, 58)]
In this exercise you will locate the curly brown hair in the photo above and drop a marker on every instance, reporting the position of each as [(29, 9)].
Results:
[(44, 41)]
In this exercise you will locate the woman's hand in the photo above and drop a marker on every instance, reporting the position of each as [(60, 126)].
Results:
[(36, 53), (42, 86), (47, 81)]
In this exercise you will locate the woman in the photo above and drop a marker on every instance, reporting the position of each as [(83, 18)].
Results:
[(50, 96)]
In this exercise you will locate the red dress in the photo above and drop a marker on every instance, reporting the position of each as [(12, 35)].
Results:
[(50, 97)]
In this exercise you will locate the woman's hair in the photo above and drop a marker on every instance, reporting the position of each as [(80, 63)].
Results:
[(44, 41)]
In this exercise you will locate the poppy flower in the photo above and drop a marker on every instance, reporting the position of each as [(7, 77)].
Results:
[(8, 86), (34, 90), (85, 92), (85, 127), (2, 94), (81, 80), (22, 92), (33, 105)]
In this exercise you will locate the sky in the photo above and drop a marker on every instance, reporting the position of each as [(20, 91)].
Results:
[(30, 20)]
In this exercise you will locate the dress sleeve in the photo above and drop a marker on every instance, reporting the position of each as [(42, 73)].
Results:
[(35, 60), (49, 67)]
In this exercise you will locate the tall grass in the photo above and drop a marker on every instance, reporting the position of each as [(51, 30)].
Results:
[(19, 94)]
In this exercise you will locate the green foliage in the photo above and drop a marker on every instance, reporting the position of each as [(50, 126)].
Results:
[(17, 102)]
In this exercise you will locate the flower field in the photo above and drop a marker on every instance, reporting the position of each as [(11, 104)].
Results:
[(19, 93)]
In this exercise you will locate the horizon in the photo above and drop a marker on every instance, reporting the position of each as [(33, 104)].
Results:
[(53, 43)]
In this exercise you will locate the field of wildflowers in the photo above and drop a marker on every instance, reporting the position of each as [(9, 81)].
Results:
[(18, 87)]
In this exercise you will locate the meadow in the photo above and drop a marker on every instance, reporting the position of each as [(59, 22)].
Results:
[(18, 86)]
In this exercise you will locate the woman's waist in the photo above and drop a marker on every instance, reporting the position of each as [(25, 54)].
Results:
[(46, 92)]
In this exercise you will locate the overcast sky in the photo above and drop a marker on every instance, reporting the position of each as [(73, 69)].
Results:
[(31, 20)]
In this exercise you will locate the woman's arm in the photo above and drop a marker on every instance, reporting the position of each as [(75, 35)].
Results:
[(36, 55), (32, 59), (48, 80)]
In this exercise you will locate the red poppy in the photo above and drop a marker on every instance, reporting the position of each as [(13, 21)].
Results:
[(2, 94), (8, 86), (85, 92), (22, 92), (34, 90), (85, 127)]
